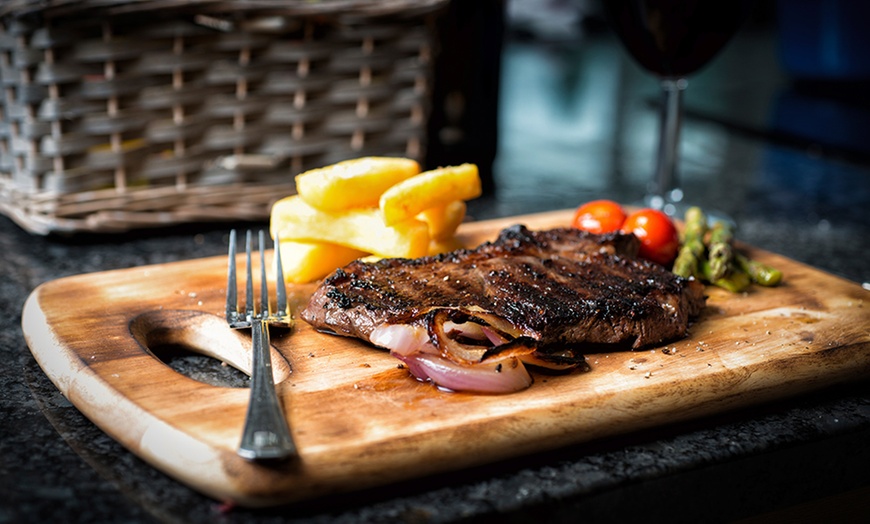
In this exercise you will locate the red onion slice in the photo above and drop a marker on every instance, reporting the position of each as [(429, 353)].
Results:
[(540, 361), (468, 339), (460, 351), (402, 339), (504, 376)]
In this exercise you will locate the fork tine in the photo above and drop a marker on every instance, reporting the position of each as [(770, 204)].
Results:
[(264, 287), (249, 284), (232, 310), (280, 288)]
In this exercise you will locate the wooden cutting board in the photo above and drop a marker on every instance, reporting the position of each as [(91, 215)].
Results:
[(360, 421)]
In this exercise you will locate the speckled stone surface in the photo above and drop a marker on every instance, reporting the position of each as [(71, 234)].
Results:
[(55, 466)]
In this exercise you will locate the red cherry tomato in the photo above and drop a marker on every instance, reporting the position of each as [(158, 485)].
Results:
[(599, 216), (659, 240)]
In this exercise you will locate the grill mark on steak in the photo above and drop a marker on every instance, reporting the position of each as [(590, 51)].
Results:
[(560, 287)]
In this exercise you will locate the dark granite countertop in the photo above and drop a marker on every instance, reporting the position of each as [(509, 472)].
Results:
[(576, 123)]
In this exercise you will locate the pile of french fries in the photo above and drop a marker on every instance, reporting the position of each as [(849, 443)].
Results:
[(374, 207)]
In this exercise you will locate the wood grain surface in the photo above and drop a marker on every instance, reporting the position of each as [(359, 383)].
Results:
[(360, 420)]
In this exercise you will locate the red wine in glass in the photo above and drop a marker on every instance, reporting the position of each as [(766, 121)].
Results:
[(673, 39)]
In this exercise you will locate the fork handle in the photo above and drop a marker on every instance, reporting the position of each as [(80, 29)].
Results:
[(266, 434)]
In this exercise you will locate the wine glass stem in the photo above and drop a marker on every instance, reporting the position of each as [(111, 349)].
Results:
[(666, 185)]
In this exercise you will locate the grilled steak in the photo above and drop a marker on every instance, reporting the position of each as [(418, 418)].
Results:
[(559, 286), (559, 292)]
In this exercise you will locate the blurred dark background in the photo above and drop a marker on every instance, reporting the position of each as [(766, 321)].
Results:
[(541, 95)]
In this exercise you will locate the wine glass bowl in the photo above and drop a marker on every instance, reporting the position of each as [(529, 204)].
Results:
[(673, 39)]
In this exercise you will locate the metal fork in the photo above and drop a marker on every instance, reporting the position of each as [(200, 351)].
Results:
[(266, 434)]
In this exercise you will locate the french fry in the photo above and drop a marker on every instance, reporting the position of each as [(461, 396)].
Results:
[(436, 247), (370, 208), (430, 189), (361, 229), (443, 220), (308, 261), (371, 259), (353, 183)]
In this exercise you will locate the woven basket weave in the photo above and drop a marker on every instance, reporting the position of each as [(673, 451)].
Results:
[(116, 115)]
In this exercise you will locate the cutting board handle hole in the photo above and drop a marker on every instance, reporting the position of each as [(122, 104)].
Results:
[(201, 346), (193, 364)]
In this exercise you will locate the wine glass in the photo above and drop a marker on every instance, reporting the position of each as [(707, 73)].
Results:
[(672, 39)]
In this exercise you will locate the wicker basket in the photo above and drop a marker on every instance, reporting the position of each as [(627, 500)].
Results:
[(117, 114)]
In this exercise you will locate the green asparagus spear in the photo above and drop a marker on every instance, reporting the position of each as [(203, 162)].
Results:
[(696, 226), (720, 252), (693, 248), (734, 281), (758, 272), (686, 264), (717, 261)]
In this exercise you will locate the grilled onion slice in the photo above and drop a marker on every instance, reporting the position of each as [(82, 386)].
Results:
[(464, 350)]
